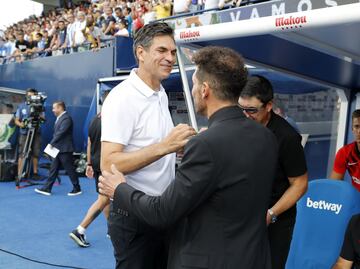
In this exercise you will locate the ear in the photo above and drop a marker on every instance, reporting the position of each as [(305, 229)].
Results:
[(269, 106), (140, 53), (205, 90)]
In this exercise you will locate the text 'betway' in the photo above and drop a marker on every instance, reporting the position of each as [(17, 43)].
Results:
[(323, 205)]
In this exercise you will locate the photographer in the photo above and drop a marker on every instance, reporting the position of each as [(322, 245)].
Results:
[(24, 119)]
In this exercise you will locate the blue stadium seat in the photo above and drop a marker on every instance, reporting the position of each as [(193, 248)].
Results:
[(322, 217)]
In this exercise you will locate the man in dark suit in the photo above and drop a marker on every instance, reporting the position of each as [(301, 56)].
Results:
[(217, 204), (63, 141)]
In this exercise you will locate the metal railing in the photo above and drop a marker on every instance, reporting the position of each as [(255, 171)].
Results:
[(25, 56)]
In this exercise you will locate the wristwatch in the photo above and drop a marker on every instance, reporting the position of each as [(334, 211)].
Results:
[(272, 216)]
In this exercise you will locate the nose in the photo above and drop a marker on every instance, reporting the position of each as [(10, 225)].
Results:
[(170, 57)]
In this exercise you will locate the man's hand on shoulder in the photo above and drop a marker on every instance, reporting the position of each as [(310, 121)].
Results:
[(109, 181), (177, 138)]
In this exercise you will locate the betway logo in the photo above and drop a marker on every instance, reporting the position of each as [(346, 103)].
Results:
[(189, 34), (323, 205), (290, 21)]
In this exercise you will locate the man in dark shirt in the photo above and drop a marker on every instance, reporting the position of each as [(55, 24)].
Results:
[(109, 22), (92, 171), (350, 252), (291, 179), (22, 46)]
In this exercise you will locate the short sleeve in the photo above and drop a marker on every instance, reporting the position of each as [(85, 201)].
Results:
[(118, 117), (18, 113), (292, 157), (340, 161), (348, 251)]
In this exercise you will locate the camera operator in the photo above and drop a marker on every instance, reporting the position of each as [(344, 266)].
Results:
[(24, 120)]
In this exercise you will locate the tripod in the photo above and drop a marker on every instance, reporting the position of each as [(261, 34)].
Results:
[(27, 154)]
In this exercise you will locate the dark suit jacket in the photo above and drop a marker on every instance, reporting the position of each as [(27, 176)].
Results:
[(63, 134), (218, 201)]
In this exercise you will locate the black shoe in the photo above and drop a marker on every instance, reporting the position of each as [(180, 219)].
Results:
[(74, 192), (43, 191), (79, 239), (36, 177)]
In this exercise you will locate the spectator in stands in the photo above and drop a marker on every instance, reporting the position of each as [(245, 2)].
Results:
[(128, 17), (350, 252), (23, 47), (291, 179), (98, 18), (150, 14), (108, 26), (163, 9), (40, 44), (195, 5), (181, 6), (37, 29), (138, 22), (122, 4), (93, 35), (79, 26), (122, 29), (70, 30), (47, 39), (53, 45), (279, 109), (348, 157), (10, 45), (61, 38), (54, 27), (118, 14)]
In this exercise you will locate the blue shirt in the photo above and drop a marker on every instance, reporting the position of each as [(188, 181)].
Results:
[(22, 113)]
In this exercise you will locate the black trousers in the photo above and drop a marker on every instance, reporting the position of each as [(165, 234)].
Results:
[(136, 245), (280, 235), (67, 161)]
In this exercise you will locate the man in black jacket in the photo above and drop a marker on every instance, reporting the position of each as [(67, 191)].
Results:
[(63, 141), (291, 177), (217, 204)]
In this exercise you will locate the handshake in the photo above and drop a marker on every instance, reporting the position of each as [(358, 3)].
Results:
[(175, 141)]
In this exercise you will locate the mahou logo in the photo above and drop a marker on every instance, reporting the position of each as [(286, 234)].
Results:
[(290, 22), (189, 34)]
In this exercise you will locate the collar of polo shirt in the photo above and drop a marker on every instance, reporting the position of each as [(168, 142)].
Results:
[(141, 86)]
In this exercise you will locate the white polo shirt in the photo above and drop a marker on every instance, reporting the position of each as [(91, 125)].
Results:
[(136, 116)]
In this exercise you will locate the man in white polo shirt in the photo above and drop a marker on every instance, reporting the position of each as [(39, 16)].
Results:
[(139, 138)]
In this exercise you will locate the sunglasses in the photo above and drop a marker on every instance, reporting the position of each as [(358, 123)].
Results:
[(251, 110)]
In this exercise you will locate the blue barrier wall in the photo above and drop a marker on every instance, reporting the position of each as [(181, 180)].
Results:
[(71, 78)]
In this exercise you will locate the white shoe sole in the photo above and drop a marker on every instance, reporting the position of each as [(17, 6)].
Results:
[(43, 192), (74, 194), (78, 241)]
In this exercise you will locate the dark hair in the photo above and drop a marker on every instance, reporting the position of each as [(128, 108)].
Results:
[(355, 114), (32, 90), (128, 9), (223, 69), (259, 87), (124, 22), (146, 34), (90, 23), (39, 34), (118, 8), (60, 103)]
